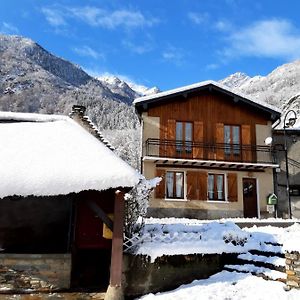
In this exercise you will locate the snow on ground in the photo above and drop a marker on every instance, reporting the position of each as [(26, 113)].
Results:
[(229, 285), (274, 260), (183, 236), (50, 155)]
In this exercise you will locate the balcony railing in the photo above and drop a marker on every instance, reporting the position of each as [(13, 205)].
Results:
[(208, 151)]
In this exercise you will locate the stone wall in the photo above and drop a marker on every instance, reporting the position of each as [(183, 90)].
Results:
[(168, 272), (34, 272), (292, 269)]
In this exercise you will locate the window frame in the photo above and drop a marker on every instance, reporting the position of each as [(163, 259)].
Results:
[(184, 146), (215, 188), (175, 198), (235, 150)]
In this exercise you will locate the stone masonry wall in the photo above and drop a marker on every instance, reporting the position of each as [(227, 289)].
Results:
[(292, 269), (34, 272)]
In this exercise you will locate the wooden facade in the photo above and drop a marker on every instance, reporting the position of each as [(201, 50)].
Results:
[(213, 168)]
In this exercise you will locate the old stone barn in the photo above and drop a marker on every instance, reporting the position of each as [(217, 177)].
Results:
[(61, 195)]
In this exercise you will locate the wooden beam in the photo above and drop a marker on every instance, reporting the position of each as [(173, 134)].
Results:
[(117, 241), (100, 213)]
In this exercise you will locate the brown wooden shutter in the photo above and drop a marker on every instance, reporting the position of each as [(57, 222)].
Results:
[(232, 187), (202, 183), (160, 189), (198, 138), (192, 185), (219, 140), (246, 140), (163, 137), (196, 185), (171, 135)]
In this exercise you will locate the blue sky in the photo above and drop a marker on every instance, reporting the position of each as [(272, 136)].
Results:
[(161, 43)]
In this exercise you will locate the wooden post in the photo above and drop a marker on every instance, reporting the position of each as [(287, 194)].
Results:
[(115, 290)]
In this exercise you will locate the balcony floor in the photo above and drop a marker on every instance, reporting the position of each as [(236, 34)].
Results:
[(194, 163)]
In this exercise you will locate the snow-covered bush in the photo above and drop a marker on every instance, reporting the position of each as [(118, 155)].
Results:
[(136, 204)]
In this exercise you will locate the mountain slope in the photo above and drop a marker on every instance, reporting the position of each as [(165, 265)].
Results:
[(280, 88), (34, 80)]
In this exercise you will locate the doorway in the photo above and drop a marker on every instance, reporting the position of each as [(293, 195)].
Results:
[(250, 198)]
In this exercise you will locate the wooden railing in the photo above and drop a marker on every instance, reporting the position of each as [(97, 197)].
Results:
[(209, 151)]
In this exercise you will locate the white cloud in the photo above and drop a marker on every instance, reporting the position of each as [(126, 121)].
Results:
[(8, 28), (98, 17), (111, 19), (54, 16), (212, 66), (88, 52), (198, 18), (223, 25), (275, 38), (173, 55)]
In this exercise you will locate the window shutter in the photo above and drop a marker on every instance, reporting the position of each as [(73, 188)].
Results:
[(163, 137), (232, 187), (192, 185), (160, 189), (171, 135), (198, 138), (219, 140), (246, 140), (202, 183)]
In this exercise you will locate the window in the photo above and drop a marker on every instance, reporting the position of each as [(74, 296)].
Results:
[(232, 140), (184, 134), (175, 185), (216, 187)]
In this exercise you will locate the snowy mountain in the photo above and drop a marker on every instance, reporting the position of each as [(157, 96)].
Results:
[(127, 87), (280, 88), (34, 80)]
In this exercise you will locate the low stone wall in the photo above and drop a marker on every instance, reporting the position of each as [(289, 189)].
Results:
[(168, 272), (292, 269), (34, 272)]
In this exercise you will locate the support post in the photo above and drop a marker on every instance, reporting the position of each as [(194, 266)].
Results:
[(115, 289)]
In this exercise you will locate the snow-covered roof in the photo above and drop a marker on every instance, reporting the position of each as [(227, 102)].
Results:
[(200, 85), (51, 155)]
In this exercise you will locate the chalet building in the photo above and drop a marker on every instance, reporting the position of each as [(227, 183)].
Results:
[(293, 153), (208, 145), (61, 203)]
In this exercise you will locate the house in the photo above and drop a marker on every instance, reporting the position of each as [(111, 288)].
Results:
[(293, 153), (61, 196), (208, 145)]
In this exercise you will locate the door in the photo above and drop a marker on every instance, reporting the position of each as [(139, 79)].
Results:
[(250, 198)]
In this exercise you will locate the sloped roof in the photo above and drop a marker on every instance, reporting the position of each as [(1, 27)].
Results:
[(53, 155), (201, 85)]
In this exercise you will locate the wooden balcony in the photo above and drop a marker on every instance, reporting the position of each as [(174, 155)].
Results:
[(222, 154)]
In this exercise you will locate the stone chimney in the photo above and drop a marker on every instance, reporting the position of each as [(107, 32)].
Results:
[(78, 115)]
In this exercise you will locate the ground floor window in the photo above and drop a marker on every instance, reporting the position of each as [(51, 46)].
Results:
[(175, 185), (216, 187)]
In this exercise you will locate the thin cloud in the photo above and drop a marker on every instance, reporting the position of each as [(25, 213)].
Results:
[(212, 66), (8, 28), (98, 17), (95, 16), (88, 52), (275, 38), (140, 47), (173, 55), (198, 18), (54, 16)]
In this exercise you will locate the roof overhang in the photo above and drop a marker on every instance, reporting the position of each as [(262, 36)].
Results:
[(142, 103), (211, 164)]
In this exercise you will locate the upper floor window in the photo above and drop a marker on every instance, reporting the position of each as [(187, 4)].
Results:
[(216, 187), (175, 185), (184, 136), (232, 140)]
